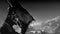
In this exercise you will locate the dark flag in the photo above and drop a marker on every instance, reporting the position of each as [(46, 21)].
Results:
[(16, 15)]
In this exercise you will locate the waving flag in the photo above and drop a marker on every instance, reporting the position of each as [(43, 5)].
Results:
[(17, 16)]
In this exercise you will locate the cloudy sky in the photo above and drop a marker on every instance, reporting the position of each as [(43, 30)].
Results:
[(41, 11)]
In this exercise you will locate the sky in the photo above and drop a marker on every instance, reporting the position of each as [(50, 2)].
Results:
[(40, 10), (44, 10)]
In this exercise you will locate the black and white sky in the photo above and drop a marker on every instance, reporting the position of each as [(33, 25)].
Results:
[(43, 10), (40, 10)]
